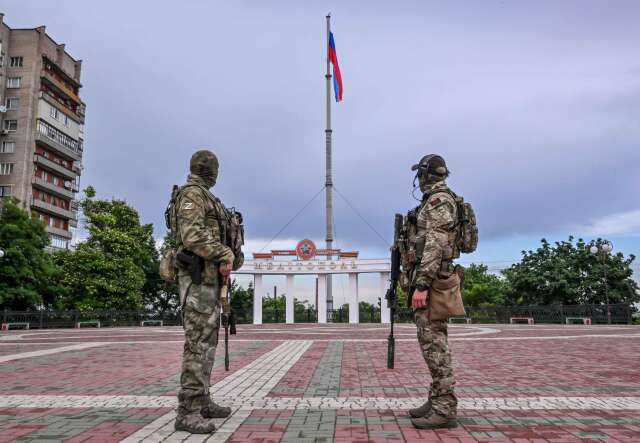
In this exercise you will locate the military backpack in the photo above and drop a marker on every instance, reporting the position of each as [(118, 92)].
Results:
[(467, 238)]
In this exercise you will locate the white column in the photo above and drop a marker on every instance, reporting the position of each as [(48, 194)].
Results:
[(258, 291), (385, 313), (322, 298), (354, 302), (289, 296)]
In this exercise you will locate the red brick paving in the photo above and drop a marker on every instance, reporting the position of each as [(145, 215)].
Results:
[(107, 432), (10, 432), (487, 365), (297, 379)]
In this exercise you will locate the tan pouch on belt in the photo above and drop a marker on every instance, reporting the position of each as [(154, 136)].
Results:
[(445, 298), (167, 268)]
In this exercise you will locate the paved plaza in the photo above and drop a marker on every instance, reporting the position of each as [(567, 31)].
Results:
[(312, 383)]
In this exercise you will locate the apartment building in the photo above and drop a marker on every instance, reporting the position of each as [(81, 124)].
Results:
[(41, 130)]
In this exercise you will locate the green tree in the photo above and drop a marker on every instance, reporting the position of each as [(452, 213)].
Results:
[(28, 277), (242, 302), (345, 314), (567, 273), (365, 311), (481, 288), (272, 306), (301, 310), (109, 269)]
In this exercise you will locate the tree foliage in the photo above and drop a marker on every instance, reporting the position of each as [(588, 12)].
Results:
[(567, 273), (366, 310), (278, 303), (481, 288), (242, 300), (28, 277), (110, 268)]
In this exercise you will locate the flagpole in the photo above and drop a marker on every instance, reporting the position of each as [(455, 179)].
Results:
[(329, 178)]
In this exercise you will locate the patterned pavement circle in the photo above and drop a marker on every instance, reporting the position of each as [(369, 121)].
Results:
[(312, 383)]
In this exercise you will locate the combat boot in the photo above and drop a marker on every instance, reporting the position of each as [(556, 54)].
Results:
[(421, 411), (214, 410), (434, 421), (194, 423)]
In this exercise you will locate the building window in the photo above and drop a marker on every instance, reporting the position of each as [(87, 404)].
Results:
[(12, 103), (53, 112), (8, 148), (15, 62), (6, 168), (10, 125), (5, 191), (13, 82), (65, 120), (59, 242)]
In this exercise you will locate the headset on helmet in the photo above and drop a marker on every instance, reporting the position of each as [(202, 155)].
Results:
[(431, 164)]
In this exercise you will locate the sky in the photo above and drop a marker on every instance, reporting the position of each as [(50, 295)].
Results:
[(535, 105)]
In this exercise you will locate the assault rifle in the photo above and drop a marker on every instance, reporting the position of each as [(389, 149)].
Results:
[(227, 318), (392, 296)]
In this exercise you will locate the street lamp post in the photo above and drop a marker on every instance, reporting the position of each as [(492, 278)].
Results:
[(603, 250)]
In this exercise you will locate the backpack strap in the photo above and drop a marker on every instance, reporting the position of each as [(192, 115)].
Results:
[(216, 201), (454, 196)]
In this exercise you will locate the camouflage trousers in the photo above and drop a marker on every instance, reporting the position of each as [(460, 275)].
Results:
[(432, 336), (200, 341)]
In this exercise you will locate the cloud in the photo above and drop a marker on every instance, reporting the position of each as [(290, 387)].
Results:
[(535, 106), (623, 223)]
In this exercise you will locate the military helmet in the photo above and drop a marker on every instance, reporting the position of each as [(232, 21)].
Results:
[(432, 164), (204, 163)]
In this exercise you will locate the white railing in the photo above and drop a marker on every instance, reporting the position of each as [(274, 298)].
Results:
[(59, 137)]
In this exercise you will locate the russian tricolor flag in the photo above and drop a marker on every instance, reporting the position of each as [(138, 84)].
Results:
[(337, 78)]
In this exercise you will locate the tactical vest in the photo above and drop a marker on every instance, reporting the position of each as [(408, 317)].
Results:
[(463, 236), (229, 223), (229, 220)]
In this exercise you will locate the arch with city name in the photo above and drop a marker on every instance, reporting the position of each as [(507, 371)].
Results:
[(306, 259)]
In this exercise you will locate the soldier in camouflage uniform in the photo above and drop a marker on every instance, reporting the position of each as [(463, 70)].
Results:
[(435, 235), (200, 216)]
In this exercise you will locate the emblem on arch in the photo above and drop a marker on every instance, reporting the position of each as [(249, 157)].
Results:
[(306, 249)]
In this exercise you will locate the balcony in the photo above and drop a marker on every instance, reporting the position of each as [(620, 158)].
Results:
[(52, 188), (52, 100), (54, 167), (60, 232), (53, 210), (59, 141), (61, 86)]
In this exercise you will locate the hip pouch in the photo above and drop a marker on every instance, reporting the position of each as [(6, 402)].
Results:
[(445, 298), (167, 268)]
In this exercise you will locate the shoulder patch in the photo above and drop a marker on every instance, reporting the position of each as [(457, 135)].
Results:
[(187, 205), (435, 202)]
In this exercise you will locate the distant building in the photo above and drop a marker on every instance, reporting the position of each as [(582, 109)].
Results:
[(41, 131)]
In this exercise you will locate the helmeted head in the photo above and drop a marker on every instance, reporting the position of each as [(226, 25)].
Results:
[(430, 169), (204, 164)]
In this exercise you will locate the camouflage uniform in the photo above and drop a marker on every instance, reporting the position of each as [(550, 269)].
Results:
[(436, 216), (198, 219)]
